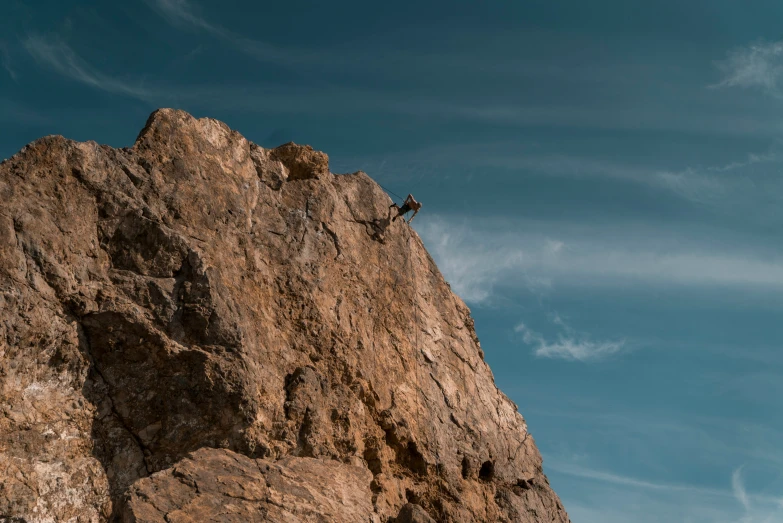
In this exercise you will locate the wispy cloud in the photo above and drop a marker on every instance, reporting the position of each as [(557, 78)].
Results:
[(317, 62), (664, 117), (752, 159), (707, 184), (656, 439), (183, 13), (738, 488), (737, 493), (56, 55), (475, 256), (570, 345), (601, 496), (59, 57), (5, 61), (703, 184), (716, 440), (474, 272), (626, 481), (690, 183), (759, 65)]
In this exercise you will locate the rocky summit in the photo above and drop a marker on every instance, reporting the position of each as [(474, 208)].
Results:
[(196, 328)]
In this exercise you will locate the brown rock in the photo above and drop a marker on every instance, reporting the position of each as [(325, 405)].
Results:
[(192, 307), (410, 513), (222, 486), (301, 161)]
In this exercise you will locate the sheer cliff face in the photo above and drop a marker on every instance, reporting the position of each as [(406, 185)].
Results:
[(196, 327)]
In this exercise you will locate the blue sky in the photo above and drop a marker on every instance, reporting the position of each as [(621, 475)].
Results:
[(602, 185)]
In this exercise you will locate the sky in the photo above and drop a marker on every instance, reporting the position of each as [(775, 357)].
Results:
[(601, 184)]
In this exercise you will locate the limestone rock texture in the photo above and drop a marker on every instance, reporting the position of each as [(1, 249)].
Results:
[(196, 328)]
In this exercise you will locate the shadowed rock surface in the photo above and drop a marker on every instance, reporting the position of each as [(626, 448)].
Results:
[(197, 328)]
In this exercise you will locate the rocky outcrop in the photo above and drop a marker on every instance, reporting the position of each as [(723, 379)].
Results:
[(197, 328), (221, 485)]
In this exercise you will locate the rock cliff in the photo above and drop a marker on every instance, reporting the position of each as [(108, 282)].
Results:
[(199, 329)]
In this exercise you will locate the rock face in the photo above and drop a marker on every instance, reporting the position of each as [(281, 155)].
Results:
[(196, 328), (220, 485)]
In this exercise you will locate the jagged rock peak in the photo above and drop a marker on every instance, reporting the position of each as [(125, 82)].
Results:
[(198, 328)]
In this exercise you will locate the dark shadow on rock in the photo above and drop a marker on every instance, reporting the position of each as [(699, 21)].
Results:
[(165, 375), (376, 228), (412, 513)]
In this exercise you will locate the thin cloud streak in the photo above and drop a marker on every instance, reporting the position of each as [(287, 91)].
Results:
[(5, 61), (663, 118), (183, 13), (623, 498), (738, 491), (701, 184), (712, 438), (738, 488), (608, 477), (58, 56)]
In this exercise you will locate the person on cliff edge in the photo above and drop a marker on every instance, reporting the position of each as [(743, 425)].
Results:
[(410, 204)]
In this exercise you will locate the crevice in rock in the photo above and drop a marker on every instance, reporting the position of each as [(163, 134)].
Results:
[(466, 467), (487, 471), (407, 454), (461, 357), (524, 484), (185, 479), (183, 275), (375, 229), (105, 453), (139, 443), (521, 445), (333, 236), (135, 180)]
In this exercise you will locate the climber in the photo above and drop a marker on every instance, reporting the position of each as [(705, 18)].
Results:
[(410, 204)]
